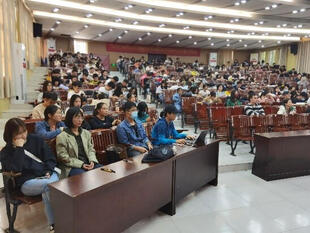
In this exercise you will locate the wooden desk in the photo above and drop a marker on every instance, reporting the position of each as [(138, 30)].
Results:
[(98, 201), (282, 154)]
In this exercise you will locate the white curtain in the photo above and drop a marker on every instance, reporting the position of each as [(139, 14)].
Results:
[(303, 57), (283, 55)]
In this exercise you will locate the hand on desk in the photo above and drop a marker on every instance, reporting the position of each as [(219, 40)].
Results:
[(190, 137), (141, 149), (180, 141), (88, 166)]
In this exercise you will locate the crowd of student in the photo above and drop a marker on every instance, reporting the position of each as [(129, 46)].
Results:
[(76, 73)]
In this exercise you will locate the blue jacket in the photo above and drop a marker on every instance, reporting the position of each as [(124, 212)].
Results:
[(43, 129), (177, 100), (126, 134), (165, 133)]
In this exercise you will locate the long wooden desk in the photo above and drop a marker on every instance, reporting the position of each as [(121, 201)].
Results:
[(98, 201), (282, 154)]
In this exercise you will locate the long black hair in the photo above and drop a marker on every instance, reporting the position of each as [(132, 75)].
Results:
[(73, 98)]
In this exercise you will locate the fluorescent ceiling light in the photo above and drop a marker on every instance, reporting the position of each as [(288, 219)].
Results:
[(194, 8), (168, 20), (163, 30)]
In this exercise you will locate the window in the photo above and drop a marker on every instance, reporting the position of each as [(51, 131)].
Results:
[(80, 46)]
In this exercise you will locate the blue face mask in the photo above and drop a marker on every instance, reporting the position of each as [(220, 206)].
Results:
[(134, 114)]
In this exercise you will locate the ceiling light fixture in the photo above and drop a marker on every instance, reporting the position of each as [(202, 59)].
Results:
[(100, 35), (89, 15), (170, 35), (267, 8), (245, 45), (159, 40), (86, 26), (212, 44), (110, 29), (302, 10), (190, 37), (274, 5), (119, 37), (195, 42), (237, 3), (163, 20), (52, 29), (139, 38), (177, 42), (135, 22), (90, 21), (295, 11), (55, 10), (58, 22)]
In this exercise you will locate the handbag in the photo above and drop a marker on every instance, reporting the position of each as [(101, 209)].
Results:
[(159, 153), (32, 156)]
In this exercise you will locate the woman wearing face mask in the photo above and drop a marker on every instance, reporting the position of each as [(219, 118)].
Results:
[(101, 118), (142, 114), (22, 154), (131, 133), (74, 145)]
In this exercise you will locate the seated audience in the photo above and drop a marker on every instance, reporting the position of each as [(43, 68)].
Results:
[(163, 132), (101, 118), (30, 156), (76, 90), (52, 124), (253, 108), (212, 99), (107, 89), (49, 98), (74, 145), (132, 133), (47, 87), (220, 91), (287, 108)]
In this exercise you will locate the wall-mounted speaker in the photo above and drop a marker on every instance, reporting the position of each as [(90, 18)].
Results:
[(37, 30), (294, 48)]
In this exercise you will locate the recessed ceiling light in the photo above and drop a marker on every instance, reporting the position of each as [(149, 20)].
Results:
[(284, 25), (245, 45), (92, 1), (52, 29), (119, 37), (261, 22), (110, 29), (263, 46), (210, 16), (190, 37), (162, 25), (237, 3), (130, 6), (148, 33), (88, 15), (210, 29), (86, 26), (240, 40), (181, 13), (170, 35), (227, 40), (278, 26), (135, 22), (236, 20), (56, 10), (212, 44), (255, 24), (186, 27), (139, 38), (232, 21), (253, 33), (228, 45), (77, 32), (177, 41), (274, 5), (267, 8), (243, 1), (259, 41), (302, 10), (159, 40), (295, 11), (126, 8), (209, 38), (100, 35), (125, 31), (279, 42), (58, 22), (195, 42), (299, 26), (118, 20)]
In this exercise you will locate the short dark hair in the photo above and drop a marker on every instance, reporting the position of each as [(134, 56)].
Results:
[(76, 84), (168, 110), (45, 84), (73, 98), (72, 112), (97, 108), (12, 128), (142, 107), (251, 94), (128, 105), (95, 75), (52, 109), (111, 84), (116, 78), (50, 96)]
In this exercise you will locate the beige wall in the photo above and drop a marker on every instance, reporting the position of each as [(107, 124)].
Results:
[(65, 44)]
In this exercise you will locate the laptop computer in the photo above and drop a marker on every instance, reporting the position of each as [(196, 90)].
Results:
[(200, 140)]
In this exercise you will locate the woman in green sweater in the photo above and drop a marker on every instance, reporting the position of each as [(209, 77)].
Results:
[(233, 100)]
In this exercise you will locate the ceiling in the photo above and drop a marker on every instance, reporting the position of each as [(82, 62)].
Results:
[(287, 15)]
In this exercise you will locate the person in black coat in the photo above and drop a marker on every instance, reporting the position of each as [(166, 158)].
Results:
[(29, 155), (101, 118)]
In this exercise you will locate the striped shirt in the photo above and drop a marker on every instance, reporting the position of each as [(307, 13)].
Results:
[(254, 110)]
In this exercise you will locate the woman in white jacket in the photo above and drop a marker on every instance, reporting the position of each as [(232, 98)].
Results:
[(287, 108)]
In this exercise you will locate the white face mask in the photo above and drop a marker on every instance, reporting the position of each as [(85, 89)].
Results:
[(134, 114)]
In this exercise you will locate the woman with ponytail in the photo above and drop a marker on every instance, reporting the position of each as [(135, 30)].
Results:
[(163, 132), (101, 118)]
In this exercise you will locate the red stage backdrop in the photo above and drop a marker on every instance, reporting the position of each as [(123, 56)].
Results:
[(126, 48)]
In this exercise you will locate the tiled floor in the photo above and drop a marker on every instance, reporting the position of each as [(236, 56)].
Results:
[(241, 203)]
